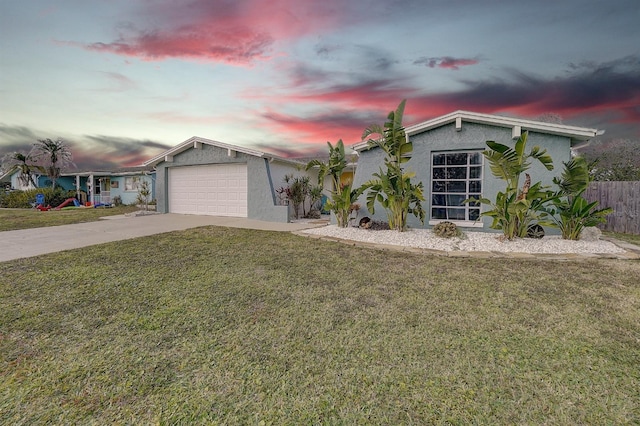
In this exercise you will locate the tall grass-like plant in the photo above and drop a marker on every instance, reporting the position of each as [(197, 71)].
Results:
[(342, 196), (571, 211), (516, 208), (392, 186)]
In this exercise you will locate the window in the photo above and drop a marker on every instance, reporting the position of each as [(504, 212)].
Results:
[(131, 183), (455, 176)]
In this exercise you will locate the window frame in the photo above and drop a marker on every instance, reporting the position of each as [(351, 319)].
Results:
[(466, 222), (135, 183)]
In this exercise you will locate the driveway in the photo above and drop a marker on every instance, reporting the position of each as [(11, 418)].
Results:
[(34, 242)]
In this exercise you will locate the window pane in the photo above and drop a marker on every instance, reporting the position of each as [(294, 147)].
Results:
[(456, 214), (456, 173), (457, 158), (438, 159), (455, 200), (439, 213), (438, 200), (475, 187), (460, 186), (438, 186), (475, 172), (474, 214), (439, 173), (475, 158)]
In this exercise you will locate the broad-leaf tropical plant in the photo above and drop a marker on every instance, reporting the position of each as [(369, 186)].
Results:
[(392, 186), (571, 211), (343, 196), (57, 154), (516, 208)]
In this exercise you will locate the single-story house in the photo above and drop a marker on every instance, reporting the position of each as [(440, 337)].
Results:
[(102, 187), (12, 179), (206, 177), (97, 187), (447, 159)]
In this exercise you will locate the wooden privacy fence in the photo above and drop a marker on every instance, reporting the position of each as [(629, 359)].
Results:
[(624, 199)]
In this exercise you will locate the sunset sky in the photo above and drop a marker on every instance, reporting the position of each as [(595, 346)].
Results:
[(122, 80)]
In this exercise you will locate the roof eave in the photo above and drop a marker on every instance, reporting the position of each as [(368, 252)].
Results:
[(573, 132), (193, 141)]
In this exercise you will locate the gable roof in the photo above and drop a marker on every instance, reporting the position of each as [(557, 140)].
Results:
[(6, 177), (194, 141), (516, 124)]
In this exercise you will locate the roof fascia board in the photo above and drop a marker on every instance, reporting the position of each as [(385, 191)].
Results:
[(574, 132), (197, 142)]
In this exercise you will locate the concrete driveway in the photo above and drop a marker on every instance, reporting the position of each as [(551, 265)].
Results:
[(34, 242)]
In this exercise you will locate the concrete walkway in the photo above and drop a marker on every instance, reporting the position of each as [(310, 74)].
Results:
[(34, 242)]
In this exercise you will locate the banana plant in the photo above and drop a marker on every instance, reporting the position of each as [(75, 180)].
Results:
[(571, 212), (516, 209), (342, 196), (393, 188)]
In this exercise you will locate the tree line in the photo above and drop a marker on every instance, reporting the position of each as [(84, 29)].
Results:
[(46, 157)]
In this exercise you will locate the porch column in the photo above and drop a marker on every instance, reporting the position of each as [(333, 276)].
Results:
[(90, 188)]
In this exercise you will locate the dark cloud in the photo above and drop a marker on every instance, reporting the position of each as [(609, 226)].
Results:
[(598, 95), (611, 86), (446, 62), (89, 152)]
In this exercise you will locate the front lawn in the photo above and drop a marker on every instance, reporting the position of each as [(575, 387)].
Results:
[(630, 238), (234, 326), (12, 219)]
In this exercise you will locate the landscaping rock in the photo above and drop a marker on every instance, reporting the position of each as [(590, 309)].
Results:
[(590, 233)]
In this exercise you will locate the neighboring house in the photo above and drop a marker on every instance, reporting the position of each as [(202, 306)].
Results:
[(97, 187), (447, 159), (12, 179), (207, 177), (101, 187)]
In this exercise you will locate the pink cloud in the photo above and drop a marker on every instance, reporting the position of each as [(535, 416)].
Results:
[(235, 32)]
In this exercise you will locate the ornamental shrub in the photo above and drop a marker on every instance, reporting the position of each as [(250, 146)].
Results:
[(447, 229)]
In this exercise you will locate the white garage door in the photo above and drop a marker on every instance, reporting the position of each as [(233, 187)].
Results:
[(215, 190)]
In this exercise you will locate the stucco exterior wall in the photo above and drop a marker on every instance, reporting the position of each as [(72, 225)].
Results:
[(472, 136), (263, 178), (130, 197)]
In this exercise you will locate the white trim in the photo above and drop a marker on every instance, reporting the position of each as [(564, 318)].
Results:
[(516, 132), (573, 132), (459, 223), (193, 141)]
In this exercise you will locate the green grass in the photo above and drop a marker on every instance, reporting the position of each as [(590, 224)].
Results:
[(233, 326), (630, 238), (12, 219)]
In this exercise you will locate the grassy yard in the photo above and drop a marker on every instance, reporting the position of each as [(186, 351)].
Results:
[(12, 219), (233, 326), (630, 238)]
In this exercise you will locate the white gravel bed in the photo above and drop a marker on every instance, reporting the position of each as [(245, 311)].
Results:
[(471, 241)]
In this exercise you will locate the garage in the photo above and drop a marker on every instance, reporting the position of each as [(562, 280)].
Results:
[(214, 190)]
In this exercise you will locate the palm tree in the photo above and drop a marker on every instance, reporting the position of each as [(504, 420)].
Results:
[(25, 163), (58, 154)]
